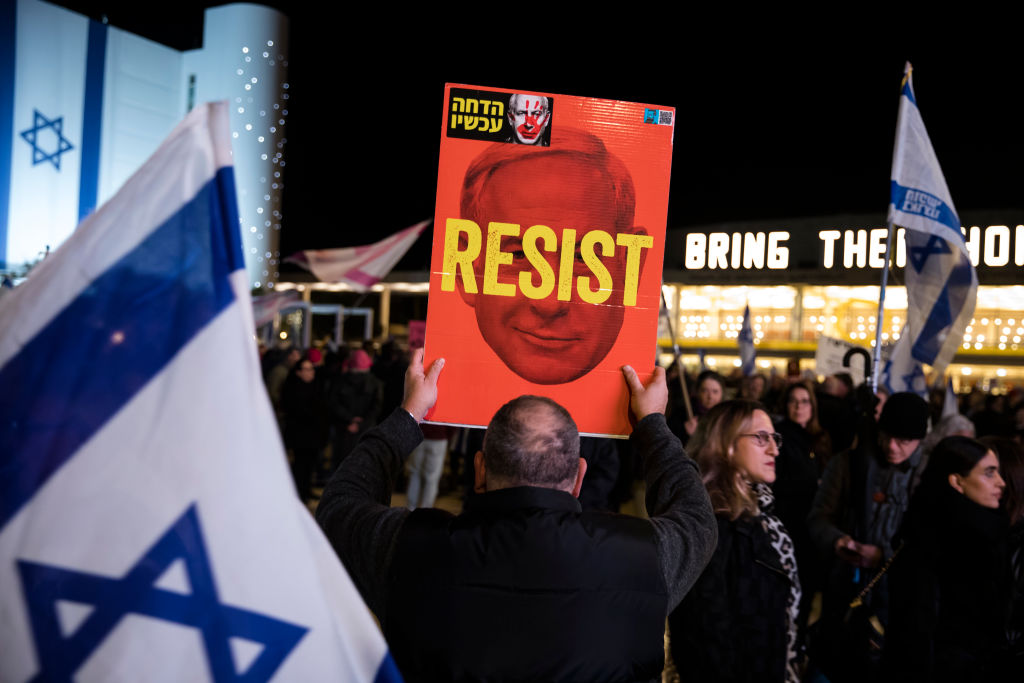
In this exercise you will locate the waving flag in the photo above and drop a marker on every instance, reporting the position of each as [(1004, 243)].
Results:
[(264, 308), (361, 267), (746, 344), (941, 282), (149, 529)]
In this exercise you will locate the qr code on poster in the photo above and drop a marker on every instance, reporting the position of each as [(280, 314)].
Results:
[(661, 117)]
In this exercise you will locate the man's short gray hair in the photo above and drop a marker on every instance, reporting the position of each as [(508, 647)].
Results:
[(532, 441)]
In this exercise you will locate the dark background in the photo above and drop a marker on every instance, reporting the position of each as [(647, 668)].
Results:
[(777, 116)]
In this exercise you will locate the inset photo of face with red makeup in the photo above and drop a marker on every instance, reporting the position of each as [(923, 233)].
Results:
[(530, 118)]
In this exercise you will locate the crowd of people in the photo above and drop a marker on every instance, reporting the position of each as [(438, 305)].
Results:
[(910, 534), (328, 397), (839, 535)]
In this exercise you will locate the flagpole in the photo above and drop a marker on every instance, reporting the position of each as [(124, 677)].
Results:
[(876, 362), (677, 358), (897, 150)]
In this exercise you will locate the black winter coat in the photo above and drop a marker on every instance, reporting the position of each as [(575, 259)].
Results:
[(731, 626), (799, 467), (305, 413), (949, 592), (523, 586)]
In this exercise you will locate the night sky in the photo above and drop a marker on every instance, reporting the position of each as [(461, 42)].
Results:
[(764, 129), (770, 124)]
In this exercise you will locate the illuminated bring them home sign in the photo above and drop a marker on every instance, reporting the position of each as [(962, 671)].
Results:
[(846, 249)]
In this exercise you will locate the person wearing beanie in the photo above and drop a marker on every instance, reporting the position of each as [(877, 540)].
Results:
[(354, 403), (856, 514), (358, 361)]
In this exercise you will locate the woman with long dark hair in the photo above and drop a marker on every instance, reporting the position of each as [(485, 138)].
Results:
[(709, 390), (949, 579), (1011, 465), (806, 447), (738, 622)]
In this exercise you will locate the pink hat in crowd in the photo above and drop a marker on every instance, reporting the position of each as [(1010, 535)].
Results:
[(358, 360)]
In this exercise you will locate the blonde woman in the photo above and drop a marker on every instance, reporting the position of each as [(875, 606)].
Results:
[(738, 623)]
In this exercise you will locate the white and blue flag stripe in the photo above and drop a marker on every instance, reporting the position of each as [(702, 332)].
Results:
[(149, 529), (941, 281), (164, 290)]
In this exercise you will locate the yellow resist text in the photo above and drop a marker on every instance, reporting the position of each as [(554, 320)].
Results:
[(541, 282)]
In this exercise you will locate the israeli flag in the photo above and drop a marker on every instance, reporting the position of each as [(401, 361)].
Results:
[(746, 344), (360, 267), (941, 282), (149, 529)]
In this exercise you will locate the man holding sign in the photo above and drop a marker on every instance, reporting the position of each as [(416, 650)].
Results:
[(522, 585)]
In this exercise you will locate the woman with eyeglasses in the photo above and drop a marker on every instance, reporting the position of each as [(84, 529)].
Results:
[(950, 584), (806, 447), (739, 621)]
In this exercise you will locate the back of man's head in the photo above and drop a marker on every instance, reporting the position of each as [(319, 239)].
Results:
[(531, 441)]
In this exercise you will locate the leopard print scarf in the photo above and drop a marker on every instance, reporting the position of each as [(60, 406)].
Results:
[(783, 546)]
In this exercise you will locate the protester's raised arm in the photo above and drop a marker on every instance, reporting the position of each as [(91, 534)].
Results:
[(420, 386), (355, 511), (677, 501)]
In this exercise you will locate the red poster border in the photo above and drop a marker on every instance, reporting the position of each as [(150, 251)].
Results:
[(475, 382)]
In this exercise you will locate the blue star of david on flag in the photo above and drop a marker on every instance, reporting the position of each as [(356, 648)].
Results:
[(32, 135), (915, 380), (901, 371), (919, 255), (111, 599), (896, 379)]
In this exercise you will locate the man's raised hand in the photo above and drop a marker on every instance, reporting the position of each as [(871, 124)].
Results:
[(420, 387), (645, 400)]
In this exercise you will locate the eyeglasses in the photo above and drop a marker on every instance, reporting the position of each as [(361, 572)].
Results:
[(884, 439), (764, 438), (799, 401)]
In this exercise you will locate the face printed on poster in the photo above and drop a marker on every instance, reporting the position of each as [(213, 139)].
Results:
[(555, 255)]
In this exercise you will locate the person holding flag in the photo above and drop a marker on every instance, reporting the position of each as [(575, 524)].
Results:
[(865, 492)]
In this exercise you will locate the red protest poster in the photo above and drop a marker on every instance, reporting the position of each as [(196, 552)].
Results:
[(549, 236)]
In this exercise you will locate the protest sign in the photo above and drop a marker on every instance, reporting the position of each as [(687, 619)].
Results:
[(549, 236), (828, 358)]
